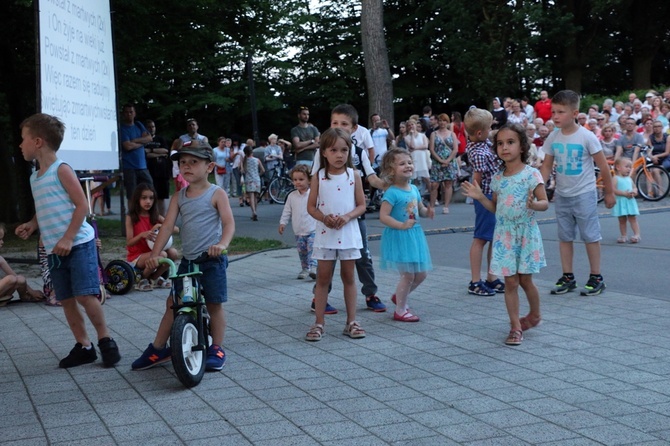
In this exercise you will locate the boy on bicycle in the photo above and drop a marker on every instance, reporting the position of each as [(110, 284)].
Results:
[(60, 213), (200, 205)]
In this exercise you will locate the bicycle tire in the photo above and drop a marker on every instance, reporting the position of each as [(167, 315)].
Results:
[(279, 189), (655, 185), (189, 364), (120, 277)]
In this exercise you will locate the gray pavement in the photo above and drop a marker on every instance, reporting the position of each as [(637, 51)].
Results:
[(595, 372)]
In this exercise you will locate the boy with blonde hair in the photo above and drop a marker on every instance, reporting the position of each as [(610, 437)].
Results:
[(484, 164), (574, 149), (60, 212)]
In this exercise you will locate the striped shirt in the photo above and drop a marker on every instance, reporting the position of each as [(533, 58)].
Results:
[(54, 209)]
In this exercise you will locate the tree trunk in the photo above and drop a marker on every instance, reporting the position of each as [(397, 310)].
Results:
[(642, 70), (375, 54), (572, 69)]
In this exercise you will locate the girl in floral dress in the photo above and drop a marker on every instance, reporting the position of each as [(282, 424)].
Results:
[(518, 191)]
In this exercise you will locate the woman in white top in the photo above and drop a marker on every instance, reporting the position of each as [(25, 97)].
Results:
[(517, 116), (417, 144)]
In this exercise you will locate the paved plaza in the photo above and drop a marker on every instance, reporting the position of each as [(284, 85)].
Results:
[(595, 372)]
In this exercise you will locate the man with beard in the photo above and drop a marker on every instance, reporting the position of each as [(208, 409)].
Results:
[(305, 139)]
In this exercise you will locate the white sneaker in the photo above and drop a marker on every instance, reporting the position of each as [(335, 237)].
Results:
[(312, 273), (303, 274)]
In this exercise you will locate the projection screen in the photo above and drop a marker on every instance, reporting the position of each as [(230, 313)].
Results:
[(77, 80)]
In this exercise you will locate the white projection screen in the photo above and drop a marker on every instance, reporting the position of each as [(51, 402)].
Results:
[(77, 80)]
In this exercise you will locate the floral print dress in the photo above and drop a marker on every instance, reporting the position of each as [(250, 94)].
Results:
[(517, 241)]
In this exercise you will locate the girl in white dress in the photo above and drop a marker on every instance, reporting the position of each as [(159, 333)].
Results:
[(417, 144), (335, 201)]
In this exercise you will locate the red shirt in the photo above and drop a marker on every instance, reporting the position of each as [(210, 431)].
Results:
[(543, 109), (140, 247), (459, 130)]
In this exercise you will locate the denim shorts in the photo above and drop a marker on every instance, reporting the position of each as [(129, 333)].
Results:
[(485, 222), (213, 278), (75, 274), (581, 212)]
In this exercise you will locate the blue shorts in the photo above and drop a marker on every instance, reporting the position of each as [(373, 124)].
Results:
[(485, 222), (581, 212), (213, 278), (75, 274)]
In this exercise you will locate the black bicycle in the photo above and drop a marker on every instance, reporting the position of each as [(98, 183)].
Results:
[(279, 185)]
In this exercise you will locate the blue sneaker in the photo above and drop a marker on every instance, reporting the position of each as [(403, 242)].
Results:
[(216, 358), (151, 357), (329, 308), (375, 304)]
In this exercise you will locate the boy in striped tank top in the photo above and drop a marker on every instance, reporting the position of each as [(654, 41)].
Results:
[(60, 213)]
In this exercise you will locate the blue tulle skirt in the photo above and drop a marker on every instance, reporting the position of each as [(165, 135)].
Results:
[(405, 250)]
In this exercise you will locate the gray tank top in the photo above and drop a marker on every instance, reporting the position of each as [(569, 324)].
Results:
[(200, 222)]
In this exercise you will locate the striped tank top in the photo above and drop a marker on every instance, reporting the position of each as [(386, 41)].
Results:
[(54, 208)]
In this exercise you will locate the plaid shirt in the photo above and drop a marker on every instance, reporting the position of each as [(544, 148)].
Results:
[(483, 160)]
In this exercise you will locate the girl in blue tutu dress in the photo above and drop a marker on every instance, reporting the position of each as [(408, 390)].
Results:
[(626, 206), (403, 245), (517, 251)]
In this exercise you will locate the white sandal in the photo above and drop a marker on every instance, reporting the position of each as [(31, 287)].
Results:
[(144, 285), (353, 330), (163, 283), (315, 333)]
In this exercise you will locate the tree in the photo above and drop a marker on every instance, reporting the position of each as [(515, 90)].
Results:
[(377, 70), (17, 101)]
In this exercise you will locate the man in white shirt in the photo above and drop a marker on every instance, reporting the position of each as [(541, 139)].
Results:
[(382, 137)]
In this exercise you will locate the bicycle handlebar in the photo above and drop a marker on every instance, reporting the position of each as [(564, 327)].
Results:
[(200, 259)]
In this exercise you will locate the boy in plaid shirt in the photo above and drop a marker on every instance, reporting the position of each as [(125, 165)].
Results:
[(484, 163)]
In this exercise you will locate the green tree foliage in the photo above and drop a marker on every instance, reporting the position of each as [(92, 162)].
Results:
[(177, 59)]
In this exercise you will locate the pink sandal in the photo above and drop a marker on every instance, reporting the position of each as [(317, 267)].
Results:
[(406, 317), (528, 322)]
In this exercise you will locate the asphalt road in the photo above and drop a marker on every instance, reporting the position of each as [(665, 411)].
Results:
[(632, 269)]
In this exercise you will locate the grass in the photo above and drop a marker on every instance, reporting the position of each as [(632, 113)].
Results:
[(114, 245)]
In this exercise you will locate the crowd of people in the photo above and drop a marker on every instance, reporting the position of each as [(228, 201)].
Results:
[(513, 150)]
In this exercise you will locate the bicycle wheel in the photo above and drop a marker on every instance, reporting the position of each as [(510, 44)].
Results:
[(188, 363), (120, 277), (653, 185), (279, 189)]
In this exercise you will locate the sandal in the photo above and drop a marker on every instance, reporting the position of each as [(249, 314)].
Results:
[(4, 300), (635, 239), (514, 337), (144, 285), (497, 285), (480, 289), (406, 317), (315, 333), (528, 322), (394, 302), (353, 330), (52, 302), (622, 239), (162, 282)]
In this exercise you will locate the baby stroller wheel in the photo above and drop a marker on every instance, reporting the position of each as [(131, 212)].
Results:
[(120, 277)]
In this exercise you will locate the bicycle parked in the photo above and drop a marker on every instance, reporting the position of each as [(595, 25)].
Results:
[(652, 180), (279, 185)]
